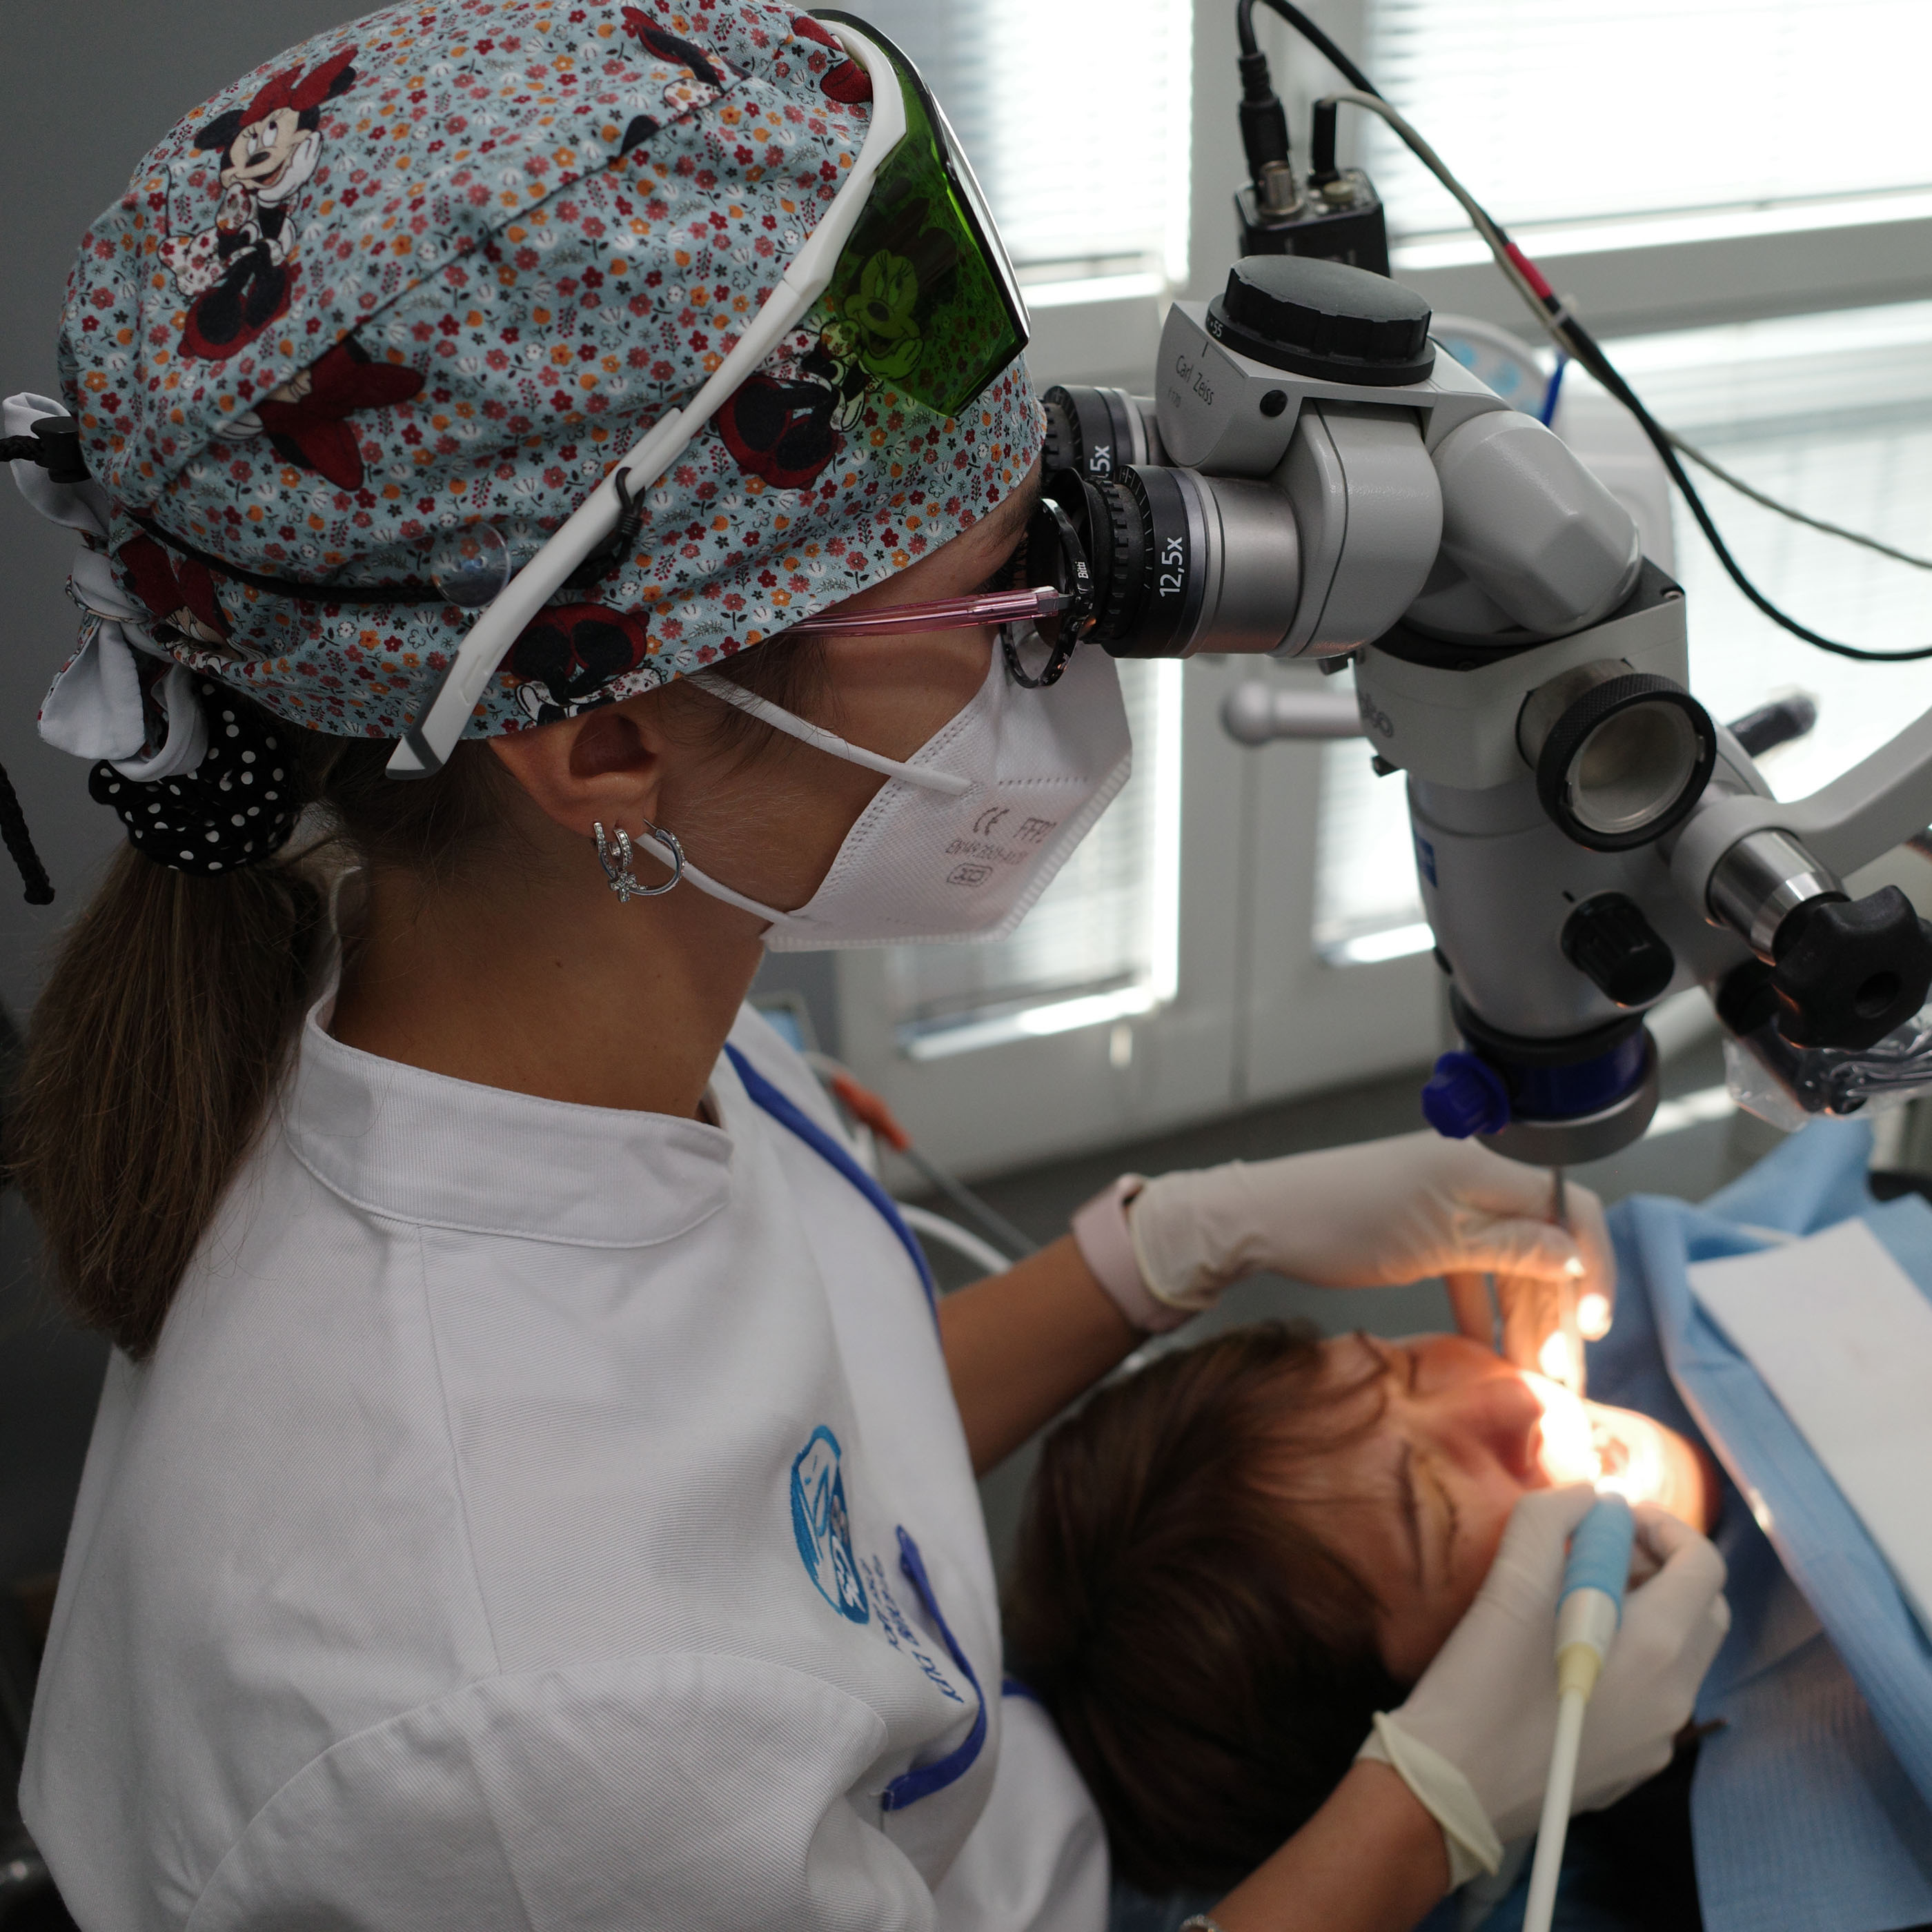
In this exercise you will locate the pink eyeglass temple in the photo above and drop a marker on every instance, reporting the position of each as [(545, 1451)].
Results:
[(945, 613)]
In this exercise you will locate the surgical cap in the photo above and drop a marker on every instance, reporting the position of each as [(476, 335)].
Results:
[(444, 266)]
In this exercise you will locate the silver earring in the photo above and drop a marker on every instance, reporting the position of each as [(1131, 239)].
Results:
[(617, 865)]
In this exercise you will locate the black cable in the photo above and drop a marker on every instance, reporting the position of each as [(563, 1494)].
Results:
[(289, 587), (1244, 27), (1589, 352), (39, 888), (615, 550), (53, 442)]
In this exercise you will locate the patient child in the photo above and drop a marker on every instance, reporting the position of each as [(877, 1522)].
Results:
[(1230, 1560)]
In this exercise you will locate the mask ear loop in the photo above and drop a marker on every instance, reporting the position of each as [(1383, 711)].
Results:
[(925, 779), (1074, 579)]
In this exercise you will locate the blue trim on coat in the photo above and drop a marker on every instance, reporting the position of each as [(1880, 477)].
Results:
[(788, 1113), (909, 1787)]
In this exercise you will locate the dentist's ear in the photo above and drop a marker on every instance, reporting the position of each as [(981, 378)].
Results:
[(605, 764)]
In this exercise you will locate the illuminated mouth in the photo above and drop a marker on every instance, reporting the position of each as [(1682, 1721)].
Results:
[(1622, 1452)]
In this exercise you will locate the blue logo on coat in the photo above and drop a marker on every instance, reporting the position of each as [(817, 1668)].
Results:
[(819, 1521)]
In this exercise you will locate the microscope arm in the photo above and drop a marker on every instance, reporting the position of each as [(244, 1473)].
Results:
[(1255, 711), (1880, 802)]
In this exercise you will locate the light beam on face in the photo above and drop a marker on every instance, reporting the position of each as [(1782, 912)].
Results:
[(1622, 1452)]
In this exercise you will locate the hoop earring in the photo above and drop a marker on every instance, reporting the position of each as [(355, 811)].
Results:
[(617, 865)]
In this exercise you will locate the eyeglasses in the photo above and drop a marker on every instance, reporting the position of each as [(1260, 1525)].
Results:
[(918, 287)]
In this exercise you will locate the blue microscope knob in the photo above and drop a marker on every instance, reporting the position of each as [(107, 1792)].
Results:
[(1465, 1095)]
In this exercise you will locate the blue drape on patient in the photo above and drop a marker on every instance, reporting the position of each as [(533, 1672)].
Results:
[(1811, 1809)]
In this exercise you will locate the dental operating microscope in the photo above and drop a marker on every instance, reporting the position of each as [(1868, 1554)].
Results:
[(1313, 478)]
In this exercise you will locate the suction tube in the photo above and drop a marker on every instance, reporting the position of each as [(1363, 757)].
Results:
[(1588, 1613)]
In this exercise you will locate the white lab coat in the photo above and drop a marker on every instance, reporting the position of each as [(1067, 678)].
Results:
[(506, 1534)]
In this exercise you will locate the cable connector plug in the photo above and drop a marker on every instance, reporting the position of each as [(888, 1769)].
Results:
[(1264, 138), (1321, 155)]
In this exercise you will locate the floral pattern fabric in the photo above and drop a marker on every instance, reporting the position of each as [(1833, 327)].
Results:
[(448, 264)]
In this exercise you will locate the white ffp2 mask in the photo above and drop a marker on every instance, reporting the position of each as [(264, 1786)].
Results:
[(966, 834)]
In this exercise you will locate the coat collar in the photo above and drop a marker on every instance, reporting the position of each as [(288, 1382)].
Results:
[(418, 1146)]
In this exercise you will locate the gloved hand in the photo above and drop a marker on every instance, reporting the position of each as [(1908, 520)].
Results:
[(1380, 1213), (1487, 1704)]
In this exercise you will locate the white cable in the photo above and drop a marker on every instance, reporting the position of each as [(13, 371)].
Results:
[(1422, 152), (1797, 516), (1553, 326), (1554, 1827), (923, 1221), (1478, 220)]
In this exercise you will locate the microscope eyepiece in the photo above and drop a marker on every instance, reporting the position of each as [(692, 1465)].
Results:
[(1180, 561)]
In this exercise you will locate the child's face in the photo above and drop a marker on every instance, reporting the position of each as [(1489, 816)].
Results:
[(1416, 1498)]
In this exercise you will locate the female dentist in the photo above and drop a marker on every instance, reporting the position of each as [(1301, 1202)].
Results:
[(533, 1486)]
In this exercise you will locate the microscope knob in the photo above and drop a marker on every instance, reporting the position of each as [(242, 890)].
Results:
[(1324, 319), (1608, 940), (1848, 971), (1465, 1095)]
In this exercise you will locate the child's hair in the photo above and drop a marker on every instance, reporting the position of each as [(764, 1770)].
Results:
[(1211, 1664), (175, 1002)]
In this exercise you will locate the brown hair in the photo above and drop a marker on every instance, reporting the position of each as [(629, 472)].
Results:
[(1211, 1664), (174, 1004)]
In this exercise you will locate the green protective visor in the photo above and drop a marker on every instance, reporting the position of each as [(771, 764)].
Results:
[(922, 295)]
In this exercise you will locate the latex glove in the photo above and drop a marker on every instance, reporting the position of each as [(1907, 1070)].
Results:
[(1378, 1214), (1487, 1704)]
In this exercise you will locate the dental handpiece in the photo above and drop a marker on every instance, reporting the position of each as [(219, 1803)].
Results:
[(1589, 1610)]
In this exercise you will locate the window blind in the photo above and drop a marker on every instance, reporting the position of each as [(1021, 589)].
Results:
[(1561, 110), (1832, 413), (1367, 906), (1076, 116)]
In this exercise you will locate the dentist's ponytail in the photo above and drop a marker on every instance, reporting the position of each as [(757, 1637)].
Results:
[(170, 1018), (166, 1026)]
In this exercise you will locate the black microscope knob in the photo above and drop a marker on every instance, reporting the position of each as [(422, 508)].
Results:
[(1608, 940), (1322, 318), (1848, 971)]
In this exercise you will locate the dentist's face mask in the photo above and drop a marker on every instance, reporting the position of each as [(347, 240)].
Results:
[(967, 833)]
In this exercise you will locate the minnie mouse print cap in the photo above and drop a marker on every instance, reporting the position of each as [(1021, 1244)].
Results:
[(441, 268)]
